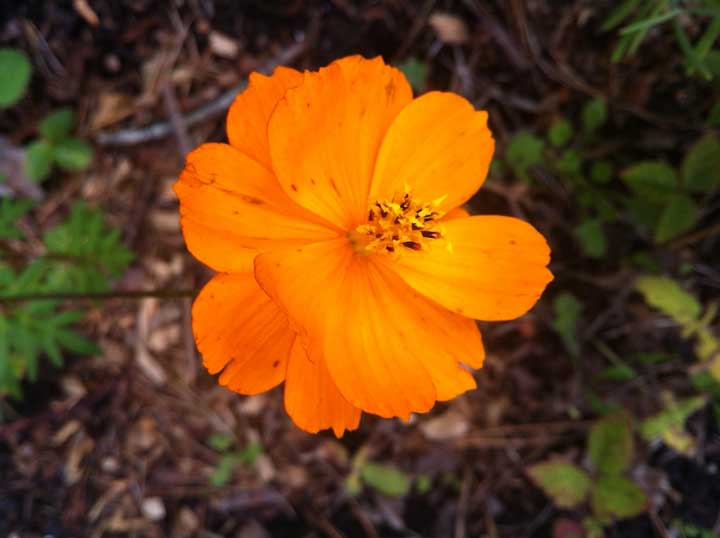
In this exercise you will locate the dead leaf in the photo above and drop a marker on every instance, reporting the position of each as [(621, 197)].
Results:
[(449, 425), (147, 363), (449, 28), (68, 430), (112, 107), (86, 12), (186, 523), (163, 338), (165, 221), (252, 405), (80, 446), (153, 508), (222, 45)]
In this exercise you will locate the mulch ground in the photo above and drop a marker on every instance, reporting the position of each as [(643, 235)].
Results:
[(117, 444)]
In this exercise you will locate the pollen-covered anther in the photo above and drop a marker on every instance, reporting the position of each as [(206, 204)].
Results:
[(398, 224)]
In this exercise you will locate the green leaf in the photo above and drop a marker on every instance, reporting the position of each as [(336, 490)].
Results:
[(15, 73), (674, 416), (692, 59), (560, 132), (74, 342), (221, 441), (569, 163), (650, 358), (416, 72), (567, 311), (224, 470), (617, 497), (678, 217), (11, 211), (250, 452), (57, 125), (523, 151), (591, 236), (594, 114), (423, 483), (644, 214), (619, 372), (701, 166), (631, 42), (387, 479), (648, 23), (653, 181), (566, 484), (73, 154), (619, 14), (621, 48), (38, 160), (610, 444), (601, 172), (667, 296), (87, 252), (712, 61)]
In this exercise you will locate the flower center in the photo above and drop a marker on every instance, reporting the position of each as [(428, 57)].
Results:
[(397, 224)]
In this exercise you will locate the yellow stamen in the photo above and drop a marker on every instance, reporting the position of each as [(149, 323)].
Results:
[(398, 224)]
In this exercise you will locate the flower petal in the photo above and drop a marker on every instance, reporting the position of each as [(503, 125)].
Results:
[(325, 134), (249, 115), (311, 398), (389, 350), (457, 213), (232, 208), (240, 331), (438, 146), (486, 267)]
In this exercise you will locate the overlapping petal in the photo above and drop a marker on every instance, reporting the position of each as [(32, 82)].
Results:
[(231, 208), (242, 333), (439, 146), (311, 398), (249, 115), (490, 268), (389, 350), (325, 135)]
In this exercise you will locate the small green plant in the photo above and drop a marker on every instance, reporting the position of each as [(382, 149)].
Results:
[(384, 478), (669, 424), (80, 255), (664, 202), (634, 20), (561, 152), (686, 310), (56, 146), (682, 307), (15, 71), (231, 457), (611, 495)]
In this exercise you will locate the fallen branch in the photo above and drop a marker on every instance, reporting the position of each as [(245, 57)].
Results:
[(211, 110), (75, 296)]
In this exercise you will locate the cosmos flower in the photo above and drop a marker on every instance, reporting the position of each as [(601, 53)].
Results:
[(345, 264)]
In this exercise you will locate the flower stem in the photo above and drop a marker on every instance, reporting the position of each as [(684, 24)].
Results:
[(79, 296)]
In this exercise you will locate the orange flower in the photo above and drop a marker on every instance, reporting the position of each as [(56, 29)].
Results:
[(346, 267)]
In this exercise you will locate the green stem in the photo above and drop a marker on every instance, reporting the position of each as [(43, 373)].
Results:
[(75, 296)]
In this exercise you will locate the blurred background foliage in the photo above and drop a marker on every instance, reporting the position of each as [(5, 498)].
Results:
[(598, 414)]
